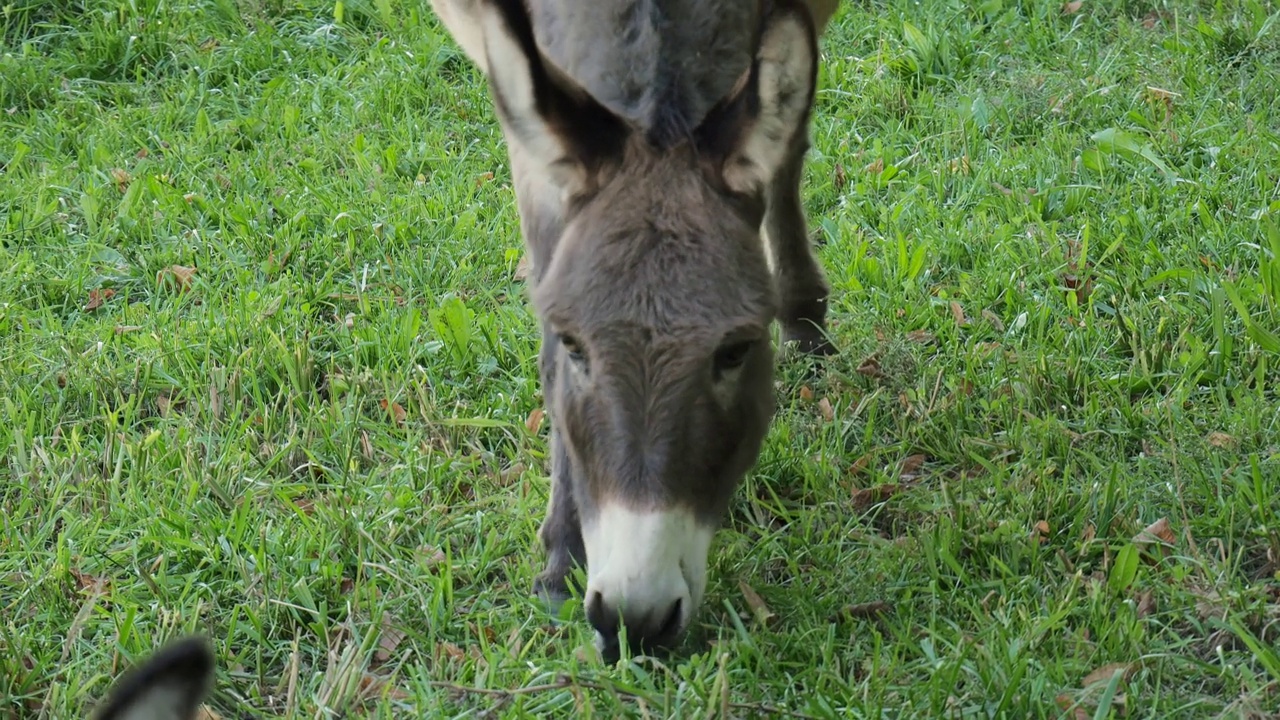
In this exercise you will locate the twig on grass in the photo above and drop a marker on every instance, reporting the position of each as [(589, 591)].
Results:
[(564, 682)]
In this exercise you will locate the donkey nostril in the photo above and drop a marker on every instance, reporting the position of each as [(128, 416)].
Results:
[(671, 625), (601, 617)]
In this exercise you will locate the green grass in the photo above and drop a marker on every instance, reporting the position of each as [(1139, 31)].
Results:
[(224, 457)]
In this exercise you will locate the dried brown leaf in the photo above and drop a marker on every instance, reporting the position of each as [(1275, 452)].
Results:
[(207, 713), (957, 314), (1157, 532), (389, 639), (1221, 440), (1068, 704), (1104, 673), (522, 269), (1073, 7), (860, 464), (828, 412), (911, 465), (121, 178), (806, 393), (431, 555), (453, 651), (92, 584), (920, 336), (840, 178), (398, 413), (97, 297), (1146, 604), (759, 609), (534, 421), (862, 610), (176, 277), (1040, 531), (875, 167), (871, 368), (864, 497)]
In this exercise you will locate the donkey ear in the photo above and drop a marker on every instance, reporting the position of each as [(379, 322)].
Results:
[(754, 129), (553, 119), (167, 686)]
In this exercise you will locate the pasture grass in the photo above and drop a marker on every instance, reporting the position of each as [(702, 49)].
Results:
[(1040, 480)]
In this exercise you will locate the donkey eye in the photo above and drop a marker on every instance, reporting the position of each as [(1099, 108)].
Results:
[(572, 347), (732, 356)]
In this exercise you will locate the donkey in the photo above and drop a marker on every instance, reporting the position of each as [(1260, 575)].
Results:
[(656, 148), (169, 685)]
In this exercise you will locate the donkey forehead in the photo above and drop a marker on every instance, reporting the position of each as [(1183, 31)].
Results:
[(683, 284)]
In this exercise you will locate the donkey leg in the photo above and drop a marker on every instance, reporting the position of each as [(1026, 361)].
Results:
[(801, 282), (560, 533)]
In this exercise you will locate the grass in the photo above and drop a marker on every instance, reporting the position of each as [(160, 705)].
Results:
[(1054, 238)]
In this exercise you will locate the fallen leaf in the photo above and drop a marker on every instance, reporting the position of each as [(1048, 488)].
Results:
[(534, 421), (453, 651), (862, 610), (176, 277), (372, 686), (911, 465), (1104, 673), (1146, 604), (432, 555), (871, 368), (484, 178), (98, 296), (1089, 534), (840, 178), (398, 414), (142, 153), (920, 336), (759, 609), (93, 584), (860, 464), (960, 165), (207, 713), (1221, 440), (1156, 533), (957, 314), (828, 412), (163, 403), (522, 268), (122, 329), (994, 319), (1150, 19), (1041, 531), (366, 445), (121, 178), (806, 393), (864, 497), (388, 640), (875, 167), (1068, 704), (1073, 7)]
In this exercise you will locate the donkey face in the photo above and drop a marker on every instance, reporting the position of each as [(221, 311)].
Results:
[(656, 298)]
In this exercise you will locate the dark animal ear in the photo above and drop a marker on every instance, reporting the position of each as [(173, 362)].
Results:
[(167, 686), (751, 131), (553, 120)]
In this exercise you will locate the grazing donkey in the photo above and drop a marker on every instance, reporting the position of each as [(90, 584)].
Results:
[(656, 148), (169, 685)]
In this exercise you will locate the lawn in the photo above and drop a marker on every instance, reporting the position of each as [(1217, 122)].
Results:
[(267, 372)]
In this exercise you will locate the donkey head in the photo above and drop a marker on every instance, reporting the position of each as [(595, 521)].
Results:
[(658, 298), (169, 685)]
